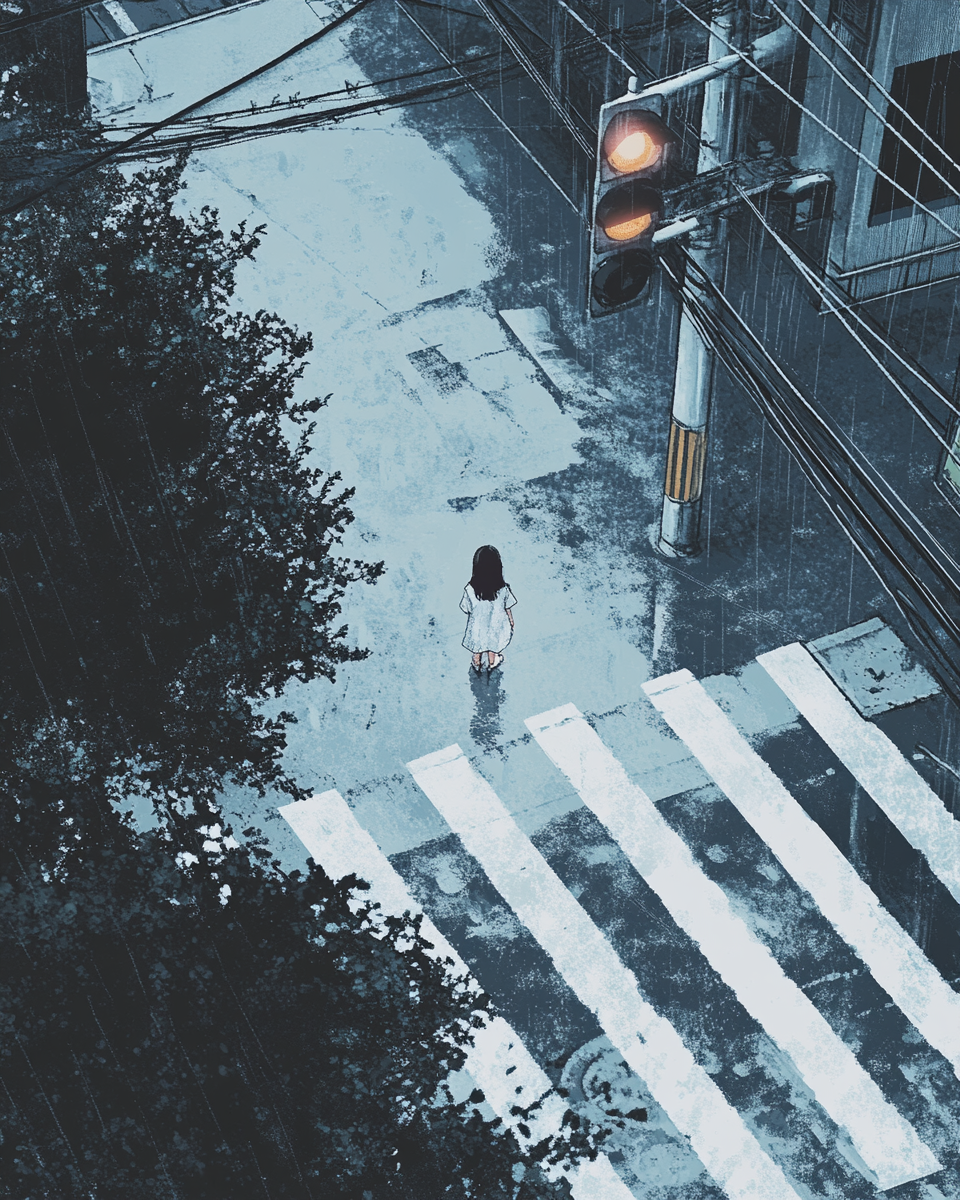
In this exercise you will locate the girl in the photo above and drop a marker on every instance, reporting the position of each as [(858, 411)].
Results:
[(487, 601)]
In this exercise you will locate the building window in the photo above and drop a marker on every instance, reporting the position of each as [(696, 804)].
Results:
[(850, 21), (930, 93)]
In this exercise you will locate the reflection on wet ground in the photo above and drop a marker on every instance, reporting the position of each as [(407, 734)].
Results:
[(487, 688)]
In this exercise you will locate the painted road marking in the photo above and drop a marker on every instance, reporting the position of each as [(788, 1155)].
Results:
[(335, 839), (808, 854), (586, 960), (871, 758), (120, 17), (887, 1143)]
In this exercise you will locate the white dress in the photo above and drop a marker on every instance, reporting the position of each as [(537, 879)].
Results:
[(488, 626)]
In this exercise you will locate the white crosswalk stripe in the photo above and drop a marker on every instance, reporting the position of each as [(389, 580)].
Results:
[(335, 839), (808, 854), (871, 758), (586, 960), (888, 1145)]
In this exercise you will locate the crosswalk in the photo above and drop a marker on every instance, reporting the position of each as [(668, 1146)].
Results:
[(808, 854), (892, 1115), (589, 964), (887, 1144), (499, 1063)]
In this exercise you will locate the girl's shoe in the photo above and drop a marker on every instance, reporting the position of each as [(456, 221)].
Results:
[(498, 660), (477, 666)]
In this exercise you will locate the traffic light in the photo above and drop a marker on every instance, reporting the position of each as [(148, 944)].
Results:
[(633, 147)]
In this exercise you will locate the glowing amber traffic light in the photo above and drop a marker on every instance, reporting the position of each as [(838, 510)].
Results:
[(623, 231), (634, 150), (628, 212), (634, 141)]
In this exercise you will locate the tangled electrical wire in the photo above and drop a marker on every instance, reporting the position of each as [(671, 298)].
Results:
[(920, 575), (303, 112), (205, 130)]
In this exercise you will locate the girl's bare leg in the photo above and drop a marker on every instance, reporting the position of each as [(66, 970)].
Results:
[(478, 660)]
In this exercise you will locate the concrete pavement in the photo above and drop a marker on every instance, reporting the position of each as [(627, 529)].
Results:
[(437, 411)]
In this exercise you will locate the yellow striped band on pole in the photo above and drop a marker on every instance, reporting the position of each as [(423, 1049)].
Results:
[(686, 452)]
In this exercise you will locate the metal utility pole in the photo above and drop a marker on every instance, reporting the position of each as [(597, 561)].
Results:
[(693, 382)]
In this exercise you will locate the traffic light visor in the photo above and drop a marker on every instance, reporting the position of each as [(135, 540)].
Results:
[(627, 212), (633, 141)]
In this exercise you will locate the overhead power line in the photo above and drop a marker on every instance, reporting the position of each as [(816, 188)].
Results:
[(28, 20), (522, 56), (493, 112), (874, 82), (204, 130), (64, 10), (298, 101), (207, 129), (637, 67), (596, 37), (210, 134), (946, 559), (827, 293)]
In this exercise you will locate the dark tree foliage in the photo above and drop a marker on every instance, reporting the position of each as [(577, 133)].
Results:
[(168, 553), (165, 1037), (177, 1017)]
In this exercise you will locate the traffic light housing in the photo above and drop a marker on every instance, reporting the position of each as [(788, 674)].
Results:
[(633, 149)]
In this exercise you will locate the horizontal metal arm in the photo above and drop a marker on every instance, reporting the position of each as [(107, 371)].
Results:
[(691, 78), (786, 184), (765, 50)]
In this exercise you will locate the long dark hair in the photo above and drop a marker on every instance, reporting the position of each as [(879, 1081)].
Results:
[(487, 578)]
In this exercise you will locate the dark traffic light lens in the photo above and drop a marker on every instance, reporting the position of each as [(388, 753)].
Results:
[(628, 212), (622, 278), (634, 141)]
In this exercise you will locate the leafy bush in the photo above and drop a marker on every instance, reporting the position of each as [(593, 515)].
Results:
[(231, 1033)]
